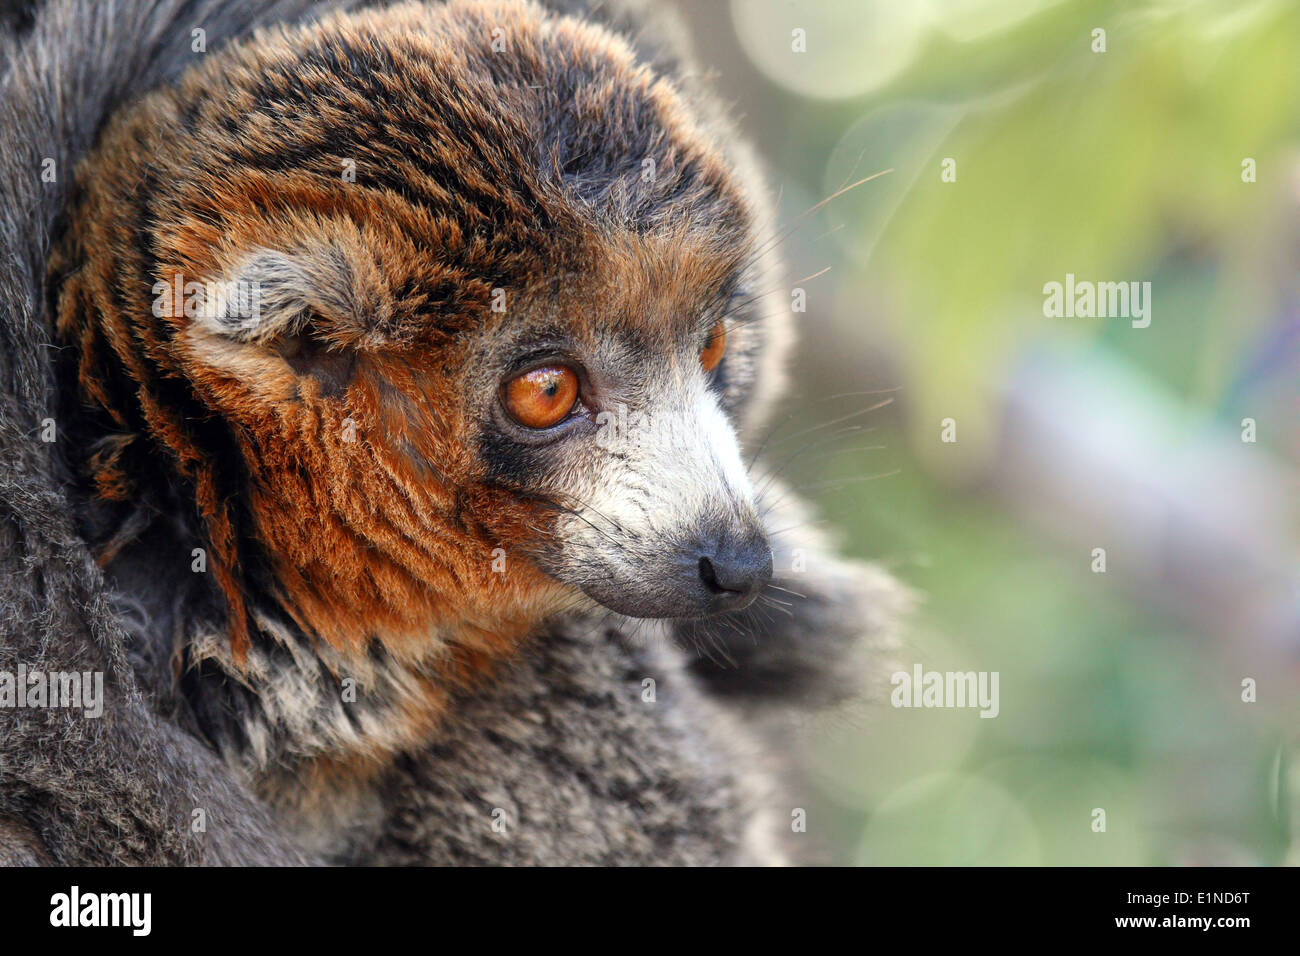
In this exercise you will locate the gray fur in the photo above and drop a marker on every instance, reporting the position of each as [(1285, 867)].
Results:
[(585, 769), (581, 768)]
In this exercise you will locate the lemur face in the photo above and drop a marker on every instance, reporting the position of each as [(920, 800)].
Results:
[(610, 409), (483, 331)]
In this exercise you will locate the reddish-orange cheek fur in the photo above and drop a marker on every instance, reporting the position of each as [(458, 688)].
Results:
[(387, 536), (376, 529), (376, 522)]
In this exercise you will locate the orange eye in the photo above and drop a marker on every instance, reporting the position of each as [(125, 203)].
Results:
[(543, 397), (712, 353)]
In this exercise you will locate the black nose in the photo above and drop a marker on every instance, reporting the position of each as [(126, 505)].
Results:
[(735, 571)]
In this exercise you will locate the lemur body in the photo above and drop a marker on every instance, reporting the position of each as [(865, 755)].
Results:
[(475, 234)]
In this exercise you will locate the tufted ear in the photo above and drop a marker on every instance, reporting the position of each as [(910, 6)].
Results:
[(334, 290), (277, 315), (312, 306)]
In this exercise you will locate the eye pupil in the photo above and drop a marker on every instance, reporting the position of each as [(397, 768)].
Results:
[(542, 397)]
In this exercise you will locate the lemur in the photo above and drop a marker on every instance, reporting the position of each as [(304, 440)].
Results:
[(404, 359)]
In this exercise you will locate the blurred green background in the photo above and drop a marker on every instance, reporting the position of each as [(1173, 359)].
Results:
[(1173, 157)]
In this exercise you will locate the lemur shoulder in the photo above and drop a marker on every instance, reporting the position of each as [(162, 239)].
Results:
[(405, 358)]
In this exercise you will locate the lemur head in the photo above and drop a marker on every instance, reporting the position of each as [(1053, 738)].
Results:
[(442, 316)]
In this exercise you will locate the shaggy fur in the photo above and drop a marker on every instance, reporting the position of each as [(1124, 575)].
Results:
[(497, 719)]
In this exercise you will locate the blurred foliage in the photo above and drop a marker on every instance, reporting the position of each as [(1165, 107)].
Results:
[(1120, 165), (1115, 166)]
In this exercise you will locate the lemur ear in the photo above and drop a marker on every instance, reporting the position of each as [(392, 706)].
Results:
[(334, 291), (278, 315)]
